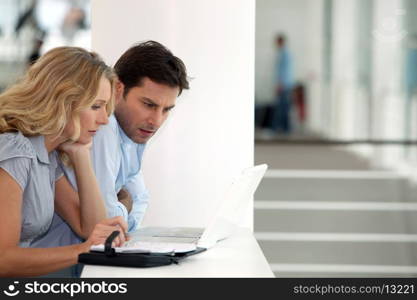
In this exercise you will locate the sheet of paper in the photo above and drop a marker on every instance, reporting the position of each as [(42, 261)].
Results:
[(150, 247)]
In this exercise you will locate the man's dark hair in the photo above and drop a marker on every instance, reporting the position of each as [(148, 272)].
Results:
[(153, 60)]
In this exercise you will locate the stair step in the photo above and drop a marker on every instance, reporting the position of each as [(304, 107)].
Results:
[(287, 156), (336, 270), (381, 253), (335, 237), (332, 205), (335, 221), (332, 186)]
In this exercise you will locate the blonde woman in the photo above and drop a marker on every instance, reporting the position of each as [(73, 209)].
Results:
[(57, 107)]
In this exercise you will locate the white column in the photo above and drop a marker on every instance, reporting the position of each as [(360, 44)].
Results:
[(388, 101), (209, 137), (343, 70)]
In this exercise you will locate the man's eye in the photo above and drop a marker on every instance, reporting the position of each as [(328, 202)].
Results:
[(149, 104)]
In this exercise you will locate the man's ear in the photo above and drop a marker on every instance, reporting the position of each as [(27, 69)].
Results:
[(120, 89)]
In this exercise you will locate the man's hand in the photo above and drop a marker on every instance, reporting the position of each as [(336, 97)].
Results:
[(124, 197)]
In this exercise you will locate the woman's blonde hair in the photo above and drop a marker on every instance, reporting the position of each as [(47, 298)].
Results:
[(63, 82)]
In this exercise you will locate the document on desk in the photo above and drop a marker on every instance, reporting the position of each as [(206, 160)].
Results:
[(149, 247)]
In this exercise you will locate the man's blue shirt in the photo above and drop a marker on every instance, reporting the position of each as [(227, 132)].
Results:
[(284, 69), (117, 162)]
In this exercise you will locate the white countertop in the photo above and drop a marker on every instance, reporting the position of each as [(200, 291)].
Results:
[(237, 256)]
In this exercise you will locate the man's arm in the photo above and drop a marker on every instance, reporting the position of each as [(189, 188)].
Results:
[(106, 157), (140, 199)]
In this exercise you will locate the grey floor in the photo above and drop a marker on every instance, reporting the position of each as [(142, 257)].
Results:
[(321, 211)]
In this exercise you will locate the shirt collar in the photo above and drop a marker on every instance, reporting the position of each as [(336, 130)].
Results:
[(38, 143)]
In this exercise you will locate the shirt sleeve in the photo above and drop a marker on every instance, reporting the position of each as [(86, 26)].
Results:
[(18, 168), (106, 159), (140, 197)]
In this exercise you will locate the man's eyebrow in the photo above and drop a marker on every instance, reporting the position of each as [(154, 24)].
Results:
[(154, 103), (149, 100)]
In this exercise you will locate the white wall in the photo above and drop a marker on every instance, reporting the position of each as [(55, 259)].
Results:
[(209, 136)]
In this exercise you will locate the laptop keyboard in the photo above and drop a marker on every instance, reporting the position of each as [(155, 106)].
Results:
[(156, 247)]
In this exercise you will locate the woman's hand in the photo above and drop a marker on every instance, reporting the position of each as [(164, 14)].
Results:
[(73, 149), (103, 229)]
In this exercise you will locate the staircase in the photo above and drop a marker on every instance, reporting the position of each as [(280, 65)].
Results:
[(323, 222)]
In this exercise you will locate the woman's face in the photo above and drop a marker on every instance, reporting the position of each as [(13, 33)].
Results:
[(95, 116)]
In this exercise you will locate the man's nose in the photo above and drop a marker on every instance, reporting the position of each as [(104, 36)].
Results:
[(156, 118)]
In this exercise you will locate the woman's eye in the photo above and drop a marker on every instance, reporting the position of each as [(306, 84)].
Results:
[(96, 107)]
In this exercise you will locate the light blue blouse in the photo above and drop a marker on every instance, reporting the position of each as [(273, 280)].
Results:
[(28, 162)]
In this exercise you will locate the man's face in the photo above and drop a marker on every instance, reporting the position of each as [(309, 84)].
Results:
[(280, 42), (144, 108)]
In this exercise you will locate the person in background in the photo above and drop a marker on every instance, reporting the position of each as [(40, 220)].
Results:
[(51, 115), (36, 52), (283, 84)]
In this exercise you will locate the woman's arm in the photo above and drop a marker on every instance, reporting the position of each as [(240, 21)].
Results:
[(19, 261), (16, 261), (82, 210)]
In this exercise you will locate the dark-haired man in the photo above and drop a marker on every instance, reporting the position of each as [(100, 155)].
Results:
[(150, 80)]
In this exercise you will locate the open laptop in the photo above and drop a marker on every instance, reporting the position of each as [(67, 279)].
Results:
[(223, 223)]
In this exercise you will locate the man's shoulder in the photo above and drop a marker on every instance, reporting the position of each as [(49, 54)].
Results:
[(106, 152), (108, 132), (107, 141), (113, 122)]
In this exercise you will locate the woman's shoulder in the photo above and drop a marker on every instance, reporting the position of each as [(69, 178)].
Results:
[(14, 144)]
